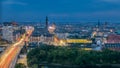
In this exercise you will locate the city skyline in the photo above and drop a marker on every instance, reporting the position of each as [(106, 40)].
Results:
[(59, 34), (61, 10)]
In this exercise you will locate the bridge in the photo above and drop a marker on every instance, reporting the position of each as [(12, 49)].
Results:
[(9, 56)]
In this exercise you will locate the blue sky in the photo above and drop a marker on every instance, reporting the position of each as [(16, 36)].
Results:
[(61, 10)]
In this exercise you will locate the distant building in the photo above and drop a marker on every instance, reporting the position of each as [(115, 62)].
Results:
[(7, 24), (112, 46), (62, 35), (42, 34), (113, 38), (82, 41), (0, 32), (11, 31), (7, 33)]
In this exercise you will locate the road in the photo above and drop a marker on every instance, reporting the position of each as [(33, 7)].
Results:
[(11, 52)]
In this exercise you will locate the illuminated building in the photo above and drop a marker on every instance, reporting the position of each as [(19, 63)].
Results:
[(51, 28), (78, 41), (43, 34), (59, 42)]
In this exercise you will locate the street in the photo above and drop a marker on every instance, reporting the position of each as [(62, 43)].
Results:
[(9, 55)]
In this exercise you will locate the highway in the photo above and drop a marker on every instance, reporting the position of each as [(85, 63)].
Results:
[(10, 53)]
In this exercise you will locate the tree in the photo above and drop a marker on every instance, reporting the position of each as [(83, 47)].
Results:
[(70, 56), (20, 65)]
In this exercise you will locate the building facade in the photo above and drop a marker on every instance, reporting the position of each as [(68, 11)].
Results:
[(7, 33)]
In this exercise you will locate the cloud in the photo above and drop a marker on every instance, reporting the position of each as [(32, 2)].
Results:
[(11, 2)]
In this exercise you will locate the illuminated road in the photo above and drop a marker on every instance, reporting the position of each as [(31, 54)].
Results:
[(9, 55)]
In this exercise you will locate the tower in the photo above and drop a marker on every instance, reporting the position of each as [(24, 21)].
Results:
[(98, 23), (46, 22), (105, 24)]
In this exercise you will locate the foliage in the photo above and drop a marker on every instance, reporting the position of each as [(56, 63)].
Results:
[(20, 65), (71, 56)]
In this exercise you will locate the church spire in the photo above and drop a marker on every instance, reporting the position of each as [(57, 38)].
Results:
[(46, 22)]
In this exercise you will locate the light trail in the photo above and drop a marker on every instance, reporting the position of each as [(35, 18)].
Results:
[(12, 51)]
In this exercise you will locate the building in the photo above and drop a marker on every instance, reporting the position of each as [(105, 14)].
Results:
[(11, 32), (7, 33), (112, 46), (46, 22), (42, 34), (78, 41), (113, 38), (62, 35)]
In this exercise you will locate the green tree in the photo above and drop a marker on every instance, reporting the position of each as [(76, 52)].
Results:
[(71, 56), (20, 65)]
